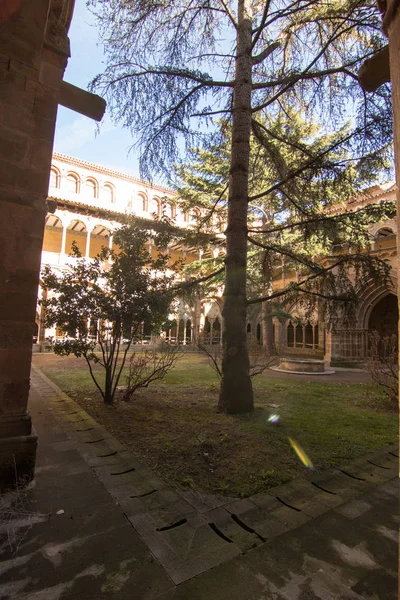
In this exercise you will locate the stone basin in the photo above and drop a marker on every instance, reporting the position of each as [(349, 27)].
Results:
[(309, 366)]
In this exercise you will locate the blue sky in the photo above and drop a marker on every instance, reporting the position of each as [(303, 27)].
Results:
[(77, 135)]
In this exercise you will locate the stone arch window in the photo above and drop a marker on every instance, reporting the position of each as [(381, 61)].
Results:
[(290, 335), (259, 333), (109, 193), (73, 183), (299, 336), (54, 178), (91, 187), (154, 206), (383, 233), (308, 335), (167, 210), (248, 329), (144, 202), (188, 331)]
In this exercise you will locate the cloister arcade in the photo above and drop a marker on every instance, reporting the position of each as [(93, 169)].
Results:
[(88, 233), (89, 200)]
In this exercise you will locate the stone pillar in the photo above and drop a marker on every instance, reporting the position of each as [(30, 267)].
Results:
[(184, 331), (87, 250), (33, 54), (42, 329), (63, 239)]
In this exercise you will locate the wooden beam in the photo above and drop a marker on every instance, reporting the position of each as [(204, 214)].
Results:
[(80, 101), (375, 71)]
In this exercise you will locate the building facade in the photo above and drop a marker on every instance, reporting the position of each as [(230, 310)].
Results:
[(86, 203)]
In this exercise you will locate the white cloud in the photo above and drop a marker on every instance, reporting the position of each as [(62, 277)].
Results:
[(82, 130)]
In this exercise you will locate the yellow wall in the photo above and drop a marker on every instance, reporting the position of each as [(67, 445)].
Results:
[(383, 243), (96, 244), (52, 240), (79, 239)]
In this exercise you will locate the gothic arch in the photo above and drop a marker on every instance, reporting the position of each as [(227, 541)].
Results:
[(370, 295)]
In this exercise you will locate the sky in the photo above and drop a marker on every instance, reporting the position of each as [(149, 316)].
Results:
[(79, 136)]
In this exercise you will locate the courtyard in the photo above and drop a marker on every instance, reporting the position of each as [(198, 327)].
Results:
[(239, 190), (174, 427)]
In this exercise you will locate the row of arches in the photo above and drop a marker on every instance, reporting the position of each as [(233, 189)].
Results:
[(59, 236), (158, 207), (300, 335), (74, 184)]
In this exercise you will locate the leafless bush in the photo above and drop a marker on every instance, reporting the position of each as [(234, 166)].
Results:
[(259, 358), (383, 364), (148, 366)]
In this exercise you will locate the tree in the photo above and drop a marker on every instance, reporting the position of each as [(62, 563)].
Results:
[(106, 301), (300, 222), (172, 67)]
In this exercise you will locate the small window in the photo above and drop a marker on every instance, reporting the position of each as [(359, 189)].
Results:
[(154, 206), (109, 195), (167, 210), (290, 335), (91, 188), (143, 202), (54, 179), (72, 183)]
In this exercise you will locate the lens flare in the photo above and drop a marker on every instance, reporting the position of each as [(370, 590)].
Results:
[(273, 418), (301, 454)]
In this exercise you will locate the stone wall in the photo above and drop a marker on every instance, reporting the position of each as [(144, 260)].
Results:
[(31, 69)]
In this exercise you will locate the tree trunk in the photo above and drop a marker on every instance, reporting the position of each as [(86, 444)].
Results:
[(394, 51), (236, 393), (108, 398)]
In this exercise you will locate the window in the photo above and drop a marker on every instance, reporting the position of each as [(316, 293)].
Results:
[(72, 183), (143, 202), (54, 179), (167, 210), (384, 233), (154, 206), (109, 195), (290, 335), (91, 188)]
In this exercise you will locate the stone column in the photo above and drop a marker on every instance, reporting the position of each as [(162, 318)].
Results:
[(184, 331), (33, 54), (87, 250), (63, 239)]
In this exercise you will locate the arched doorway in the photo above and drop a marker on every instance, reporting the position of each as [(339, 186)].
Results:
[(384, 316)]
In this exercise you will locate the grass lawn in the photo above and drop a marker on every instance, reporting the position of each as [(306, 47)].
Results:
[(174, 428)]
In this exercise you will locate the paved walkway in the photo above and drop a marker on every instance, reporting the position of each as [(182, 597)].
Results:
[(123, 534)]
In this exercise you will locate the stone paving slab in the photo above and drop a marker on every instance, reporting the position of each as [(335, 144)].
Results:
[(90, 551), (295, 542)]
